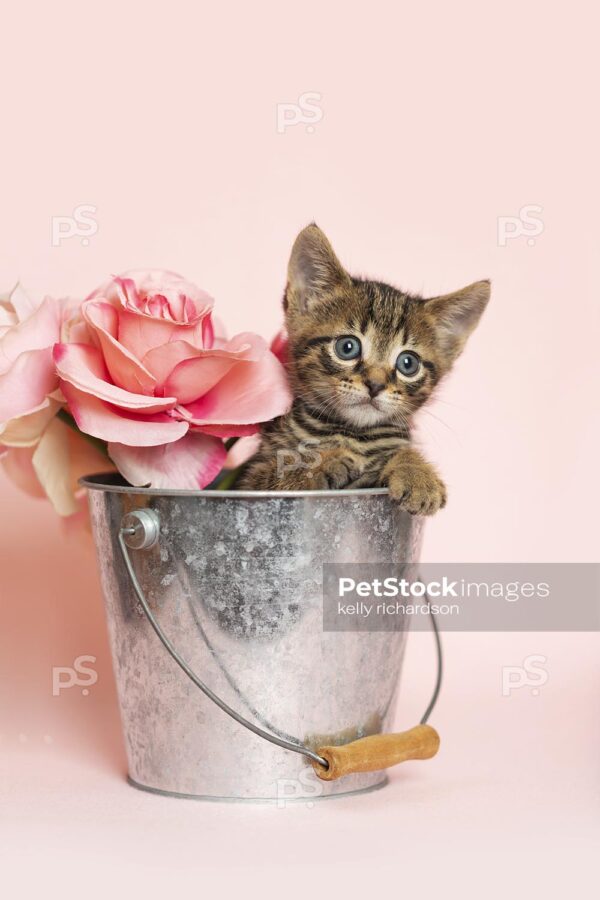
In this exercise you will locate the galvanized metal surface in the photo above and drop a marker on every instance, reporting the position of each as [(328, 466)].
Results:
[(236, 583)]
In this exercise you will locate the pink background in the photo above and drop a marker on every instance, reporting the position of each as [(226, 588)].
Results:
[(437, 119)]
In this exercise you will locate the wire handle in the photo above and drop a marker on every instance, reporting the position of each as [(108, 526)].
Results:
[(140, 530)]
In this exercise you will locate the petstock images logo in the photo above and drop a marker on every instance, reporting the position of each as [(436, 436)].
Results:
[(462, 596)]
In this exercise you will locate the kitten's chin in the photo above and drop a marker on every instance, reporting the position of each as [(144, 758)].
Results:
[(364, 415)]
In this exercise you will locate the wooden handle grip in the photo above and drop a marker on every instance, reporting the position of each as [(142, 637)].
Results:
[(378, 751)]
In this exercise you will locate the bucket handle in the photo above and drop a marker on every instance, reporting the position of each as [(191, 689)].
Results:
[(139, 530)]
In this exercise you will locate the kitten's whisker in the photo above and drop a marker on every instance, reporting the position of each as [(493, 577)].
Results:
[(437, 419), (449, 403), (324, 407)]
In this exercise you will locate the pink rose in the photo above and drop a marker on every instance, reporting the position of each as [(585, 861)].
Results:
[(157, 383), (40, 454), (27, 373)]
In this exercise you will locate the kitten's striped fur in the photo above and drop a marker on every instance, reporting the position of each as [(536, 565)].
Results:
[(350, 422)]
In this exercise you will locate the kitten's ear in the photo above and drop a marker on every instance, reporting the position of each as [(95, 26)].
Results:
[(454, 316), (313, 270)]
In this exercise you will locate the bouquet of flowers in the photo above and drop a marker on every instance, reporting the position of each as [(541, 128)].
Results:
[(137, 377)]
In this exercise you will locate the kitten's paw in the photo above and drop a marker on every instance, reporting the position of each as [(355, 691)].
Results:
[(334, 472), (418, 489)]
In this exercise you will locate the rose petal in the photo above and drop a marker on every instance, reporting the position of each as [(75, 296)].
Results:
[(15, 307), (124, 369), (219, 331), (25, 431), (192, 382), (101, 316), (249, 393), (140, 333), (60, 458), (19, 468), (242, 451), (245, 345), (279, 346), (126, 291), (83, 367), (51, 464), (8, 317), (108, 423), (188, 464), (78, 526), (162, 360), (39, 331), (208, 331), (23, 388), (183, 297), (146, 283), (74, 328), (194, 377)]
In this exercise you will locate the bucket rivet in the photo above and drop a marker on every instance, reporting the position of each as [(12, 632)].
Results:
[(140, 528)]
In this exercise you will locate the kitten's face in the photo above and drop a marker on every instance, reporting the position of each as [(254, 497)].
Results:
[(363, 352), (365, 356)]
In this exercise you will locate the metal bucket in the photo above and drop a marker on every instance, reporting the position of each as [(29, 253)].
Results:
[(235, 582)]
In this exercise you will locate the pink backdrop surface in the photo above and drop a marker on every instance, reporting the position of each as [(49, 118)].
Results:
[(433, 123)]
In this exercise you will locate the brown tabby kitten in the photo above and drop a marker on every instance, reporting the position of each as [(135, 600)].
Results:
[(363, 357)]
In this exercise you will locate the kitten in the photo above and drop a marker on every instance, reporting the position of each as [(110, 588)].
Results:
[(363, 357)]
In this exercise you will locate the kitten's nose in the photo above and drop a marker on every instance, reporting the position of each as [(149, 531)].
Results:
[(374, 386)]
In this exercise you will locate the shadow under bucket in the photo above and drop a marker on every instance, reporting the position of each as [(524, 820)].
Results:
[(235, 582)]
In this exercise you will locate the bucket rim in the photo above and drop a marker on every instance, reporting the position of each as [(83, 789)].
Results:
[(112, 483)]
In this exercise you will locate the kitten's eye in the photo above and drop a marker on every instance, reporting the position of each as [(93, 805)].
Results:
[(348, 347), (408, 363)]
